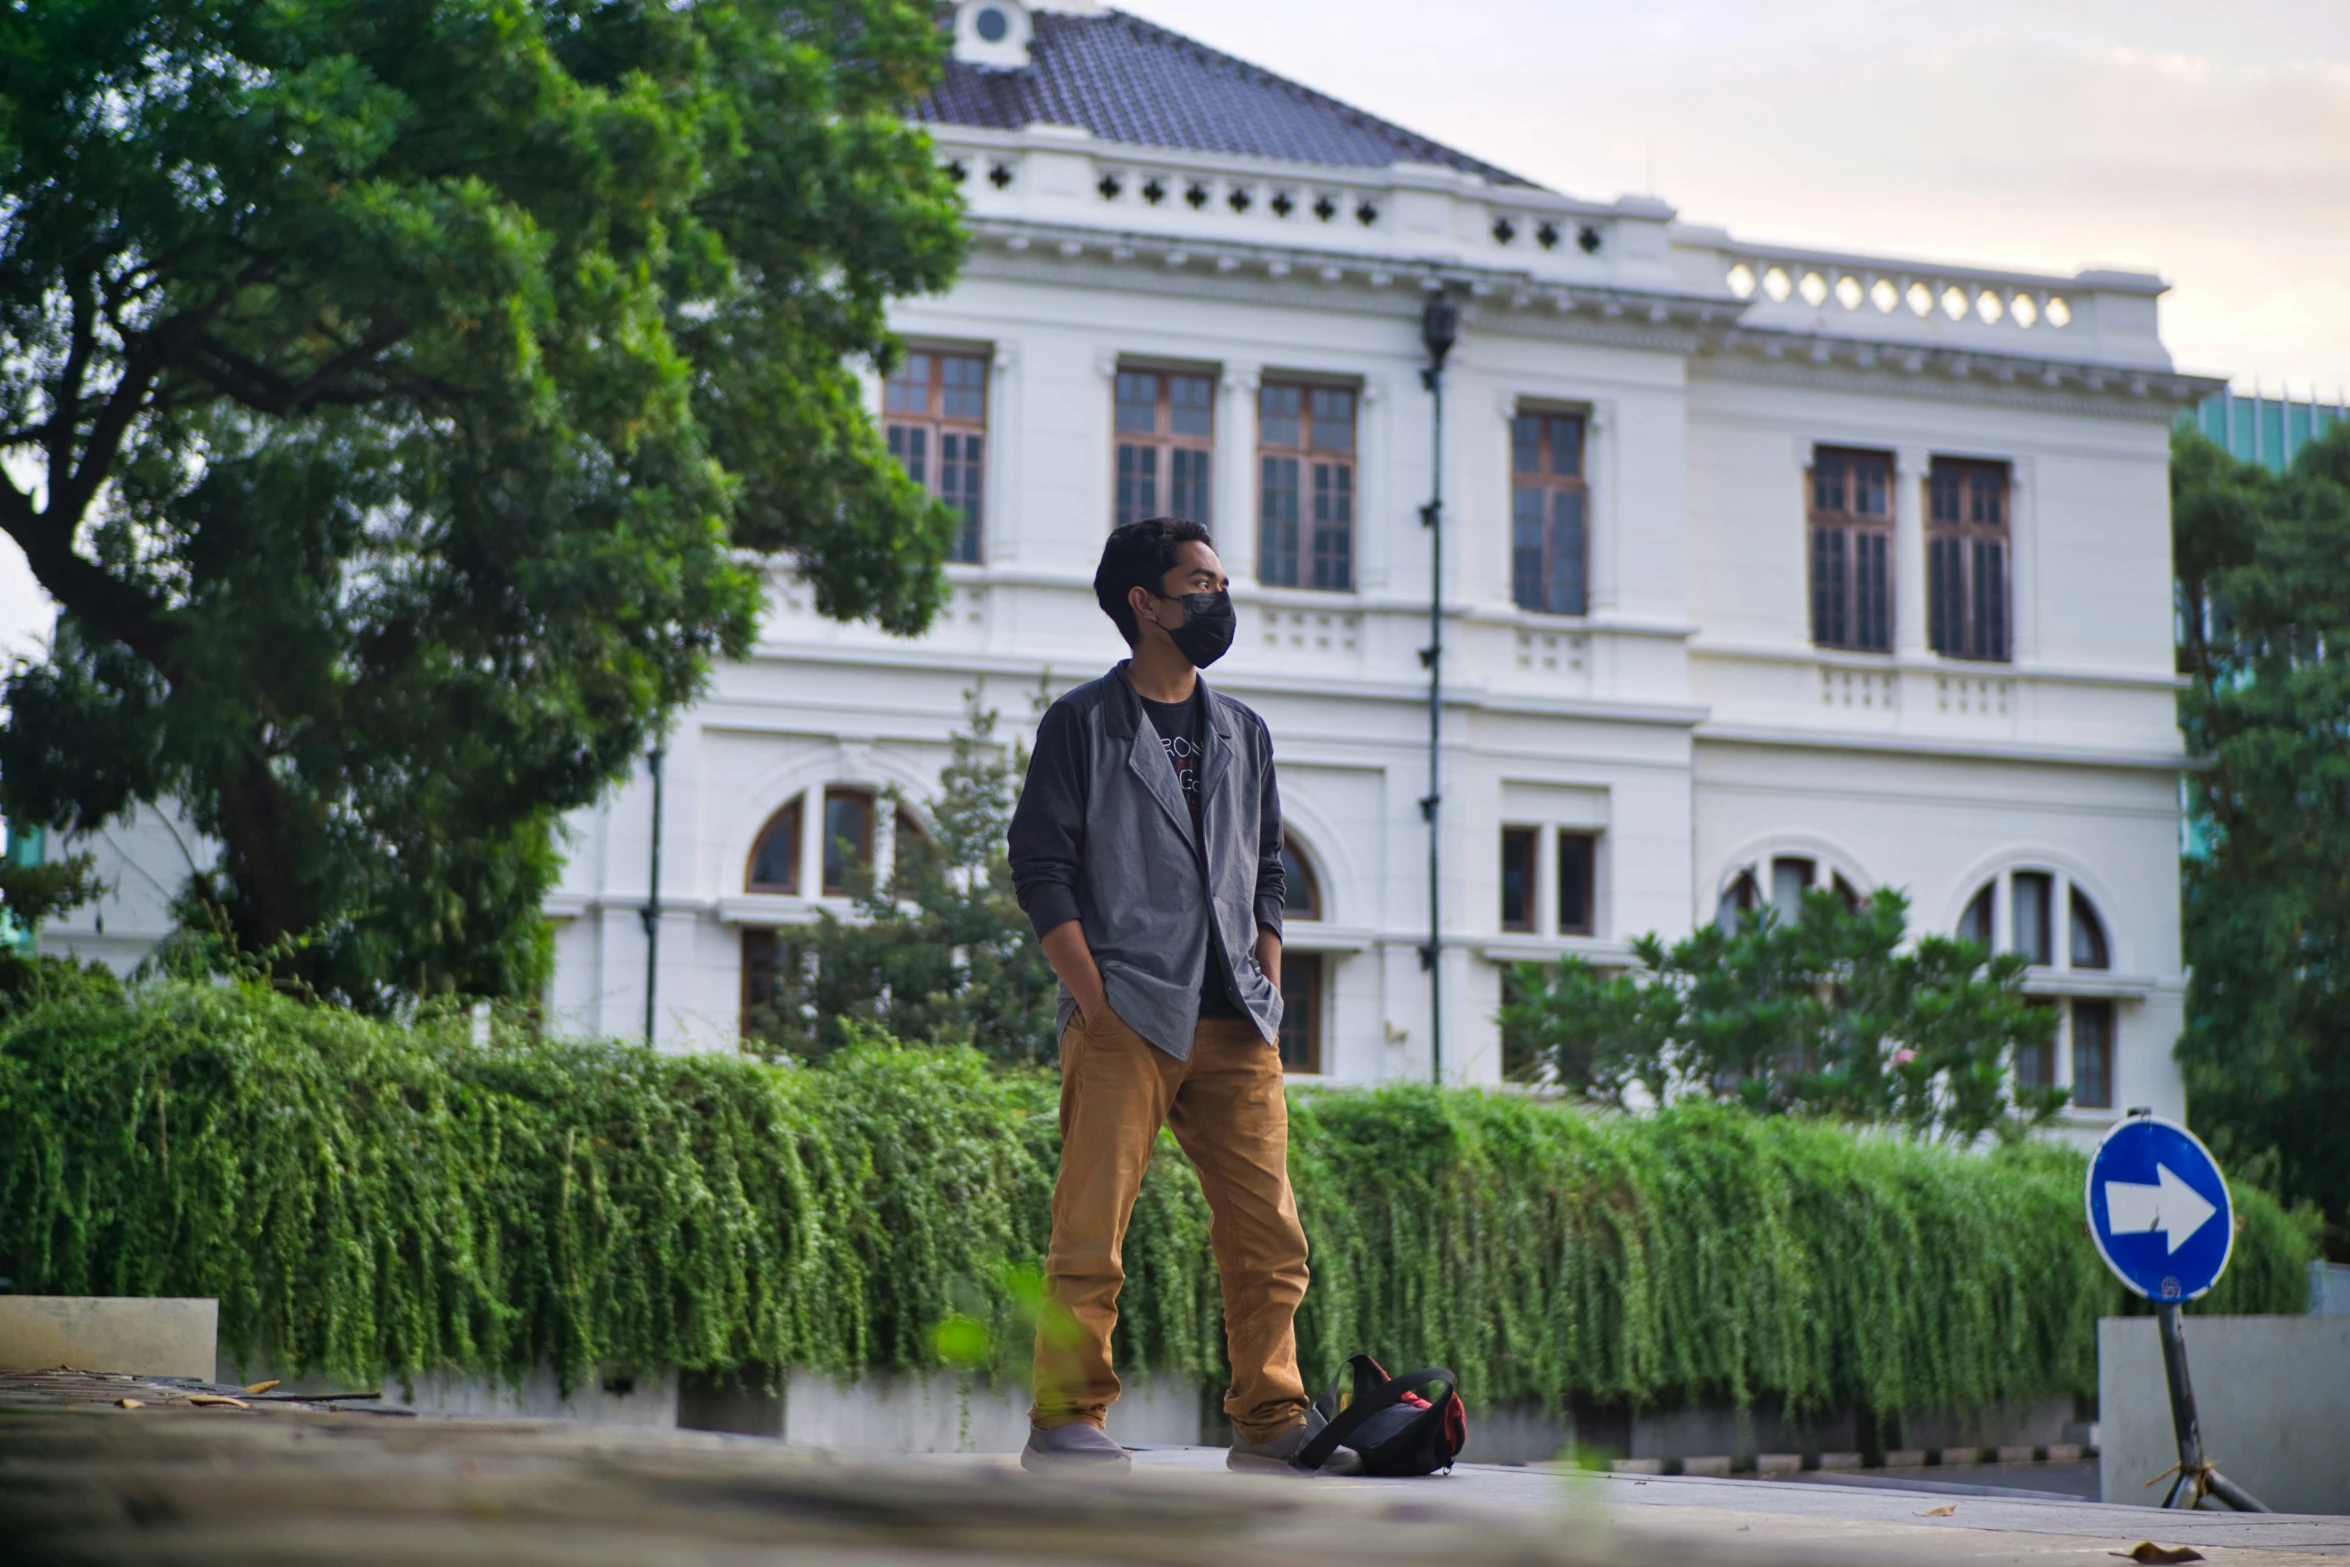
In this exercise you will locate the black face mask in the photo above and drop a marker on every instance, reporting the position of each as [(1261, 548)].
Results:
[(1207, 629)]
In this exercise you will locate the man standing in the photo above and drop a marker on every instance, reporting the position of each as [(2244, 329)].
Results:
[(1146, 851)]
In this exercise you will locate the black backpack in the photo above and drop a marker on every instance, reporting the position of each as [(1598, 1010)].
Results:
[(1387, 1421)]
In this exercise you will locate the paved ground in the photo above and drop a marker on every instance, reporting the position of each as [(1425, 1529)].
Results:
[(1874, 1521), (2047, 1482), (84, 1479)]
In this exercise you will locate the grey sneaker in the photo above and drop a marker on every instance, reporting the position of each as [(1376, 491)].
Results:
[(1074, 1446), (1280, 1452)]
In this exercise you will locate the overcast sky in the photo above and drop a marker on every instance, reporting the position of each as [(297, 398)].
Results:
[(2207, 140)]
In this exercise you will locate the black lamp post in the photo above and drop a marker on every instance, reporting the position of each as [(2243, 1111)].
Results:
[(1440, 328), (651, 912)]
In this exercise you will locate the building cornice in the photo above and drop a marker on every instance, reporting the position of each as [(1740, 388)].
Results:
[(1289, 275), (1952, 746), (1706, 328), (2024, 383), (1928, 663), (1679, 715)]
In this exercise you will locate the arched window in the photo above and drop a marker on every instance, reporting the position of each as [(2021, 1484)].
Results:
[(1304, 975), (2032, 901), (2087, 1041), (2031, 896), (1742, 896), (1974, 922), (906, 839), (2089, 946), (775, 861), (848, 838), (1788, 877), (1303, 900)]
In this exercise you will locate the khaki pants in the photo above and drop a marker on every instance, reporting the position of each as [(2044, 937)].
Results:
[(1226, 1107)]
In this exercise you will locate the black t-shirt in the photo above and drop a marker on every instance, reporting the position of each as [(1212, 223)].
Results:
[(1182, 728)]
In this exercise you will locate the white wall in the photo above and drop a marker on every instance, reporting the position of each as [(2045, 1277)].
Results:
[(1687, 716), (2272, 1399)]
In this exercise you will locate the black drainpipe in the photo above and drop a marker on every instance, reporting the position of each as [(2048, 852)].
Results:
[(1440, 325), (651, 912)]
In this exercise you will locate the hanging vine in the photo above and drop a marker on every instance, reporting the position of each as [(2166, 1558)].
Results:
[(364, 1198)]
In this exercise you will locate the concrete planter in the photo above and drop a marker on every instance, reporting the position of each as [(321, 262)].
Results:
[(145, 1337), (2272, 1395)]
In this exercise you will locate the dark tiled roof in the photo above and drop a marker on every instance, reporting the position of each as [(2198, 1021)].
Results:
[(1126, 80)]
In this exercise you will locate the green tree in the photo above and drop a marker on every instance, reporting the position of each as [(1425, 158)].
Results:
[(940, 954), (2264, 574), (410, 388), (30, 893), (1825, 1014)]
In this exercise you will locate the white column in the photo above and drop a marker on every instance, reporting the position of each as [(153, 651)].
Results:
[(1546, 876), (999, 533), (1102, 505), (2060, 920), (1235, 462), (2023, 565), (812, 843), (1603, 509), (1380, 518), (1909, 551), (885, 840)]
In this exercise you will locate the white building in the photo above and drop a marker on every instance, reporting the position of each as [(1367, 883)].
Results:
[(1763, 567)]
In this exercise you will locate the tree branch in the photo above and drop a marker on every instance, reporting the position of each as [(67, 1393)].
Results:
[(260, 387), (121, 611), (65, 402)]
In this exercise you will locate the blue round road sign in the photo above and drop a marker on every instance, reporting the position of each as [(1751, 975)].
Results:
[(2159, 1210)]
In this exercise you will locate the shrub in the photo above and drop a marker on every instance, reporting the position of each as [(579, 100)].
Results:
[(362, 1198), (1824, 1013)]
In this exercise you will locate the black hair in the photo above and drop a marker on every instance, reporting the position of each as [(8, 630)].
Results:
[(1139, 555)]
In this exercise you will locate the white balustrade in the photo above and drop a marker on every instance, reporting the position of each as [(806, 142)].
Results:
[(2093, 315)]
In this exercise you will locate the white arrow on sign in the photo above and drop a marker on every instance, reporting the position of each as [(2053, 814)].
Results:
[(2173, 1207)]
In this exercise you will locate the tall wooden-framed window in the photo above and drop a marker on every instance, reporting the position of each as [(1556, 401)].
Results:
[(934, 411), (1549, 534), (1851, 549), (1578, 862), (2035, 1065), (768, 962), (1306, 486), (906, 843), (2093, 1054), (1519, 848), (775, 857), (1967, 557), (1522, 1057), (848, 838), (1302, 997), (1166, 428)]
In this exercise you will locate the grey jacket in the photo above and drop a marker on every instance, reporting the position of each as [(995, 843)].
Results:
[(1101, 835)]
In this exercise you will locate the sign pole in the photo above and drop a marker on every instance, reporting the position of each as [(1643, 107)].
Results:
[(2194, 1475), (2161, 1217)]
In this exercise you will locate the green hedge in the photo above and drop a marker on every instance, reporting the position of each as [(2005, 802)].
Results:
[(363, 1197)]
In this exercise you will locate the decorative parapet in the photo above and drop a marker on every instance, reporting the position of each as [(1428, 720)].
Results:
[(2100, 317), (1060, 190), (1061, 176)]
